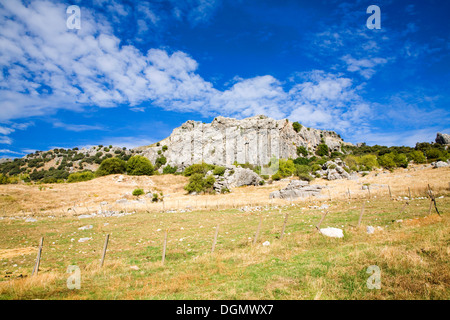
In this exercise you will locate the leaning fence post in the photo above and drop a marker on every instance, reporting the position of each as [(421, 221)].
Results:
[(164, 246), (257, 231), (38, 258), (215, 238), (321, 219), (104, 250), (390, 193), (284, 226), (361, 214)]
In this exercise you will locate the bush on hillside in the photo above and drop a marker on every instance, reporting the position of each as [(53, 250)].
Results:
[(111, 166), (80, 176), (139, 165)]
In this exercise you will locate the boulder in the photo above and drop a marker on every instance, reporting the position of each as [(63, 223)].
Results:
[(234, 177), (439, 164), (332, 232), (297, 189), (443, 138)]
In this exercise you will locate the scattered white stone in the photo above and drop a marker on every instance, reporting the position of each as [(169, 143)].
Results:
[(399, 221), (332, 232), (30, 220), (84, 239), (158, 230), (134, 267), (90, 226), (120, 179), (266, 244), (324, 206), (370, 229)]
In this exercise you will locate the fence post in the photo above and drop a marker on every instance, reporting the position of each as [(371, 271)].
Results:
[(409, 191), (164, 246), (284, 226), (38, 258), (215, 238), (257, 231), (361, 214), (321, 219), (104, 250), (390, 193)]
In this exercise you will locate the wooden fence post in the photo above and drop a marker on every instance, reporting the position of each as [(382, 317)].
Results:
[(284, 226), (349, 195), (164, 246), (431, 206), (409, 191), (321, 219), (433, 199), (361, 214), (257, 231), (215, 238), (390, 193), (105, 246), (38, 258)]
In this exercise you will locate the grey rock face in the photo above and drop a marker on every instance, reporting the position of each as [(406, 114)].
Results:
[(297, 189), (225, 141), (439, 164), (334, 170), (235, 177), (443, 138)]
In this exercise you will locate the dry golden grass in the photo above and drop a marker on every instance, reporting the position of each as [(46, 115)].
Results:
[(413, 255), (85, 197)]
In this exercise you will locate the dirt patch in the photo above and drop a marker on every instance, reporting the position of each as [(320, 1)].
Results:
[(11, 253), (423, 221)]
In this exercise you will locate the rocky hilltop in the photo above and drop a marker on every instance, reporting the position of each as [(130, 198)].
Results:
[(225, 141)]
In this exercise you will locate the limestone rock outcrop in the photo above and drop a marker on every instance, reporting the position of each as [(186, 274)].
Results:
[(226, 141), (443, 138), (235, 177), (297, 189)]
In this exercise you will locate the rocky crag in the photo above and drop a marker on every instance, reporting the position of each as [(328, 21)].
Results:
[(227, 141)]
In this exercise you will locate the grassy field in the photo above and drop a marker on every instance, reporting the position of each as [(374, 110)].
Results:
[(411, 248)]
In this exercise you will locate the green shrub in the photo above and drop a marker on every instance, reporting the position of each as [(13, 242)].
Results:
[(417, 156), (387, 161), (138, 192), (297, 126), (3, 179), (301, 150), (286, 168), (160, 161), (169, 169), (369, 161), (315, 167), (301, 169), (202, 168), (164, 148), (276, 176), (305, 177), (80, 176), (322, 150), (401, 160), (139, 165), (198, 183), (219, 171), (433, 154), (111, 166)]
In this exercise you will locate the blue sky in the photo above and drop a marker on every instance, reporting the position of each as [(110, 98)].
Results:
[(136, 70)]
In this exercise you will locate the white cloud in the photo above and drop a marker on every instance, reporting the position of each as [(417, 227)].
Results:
[(365, 67), (50, 67), (77, 127)]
